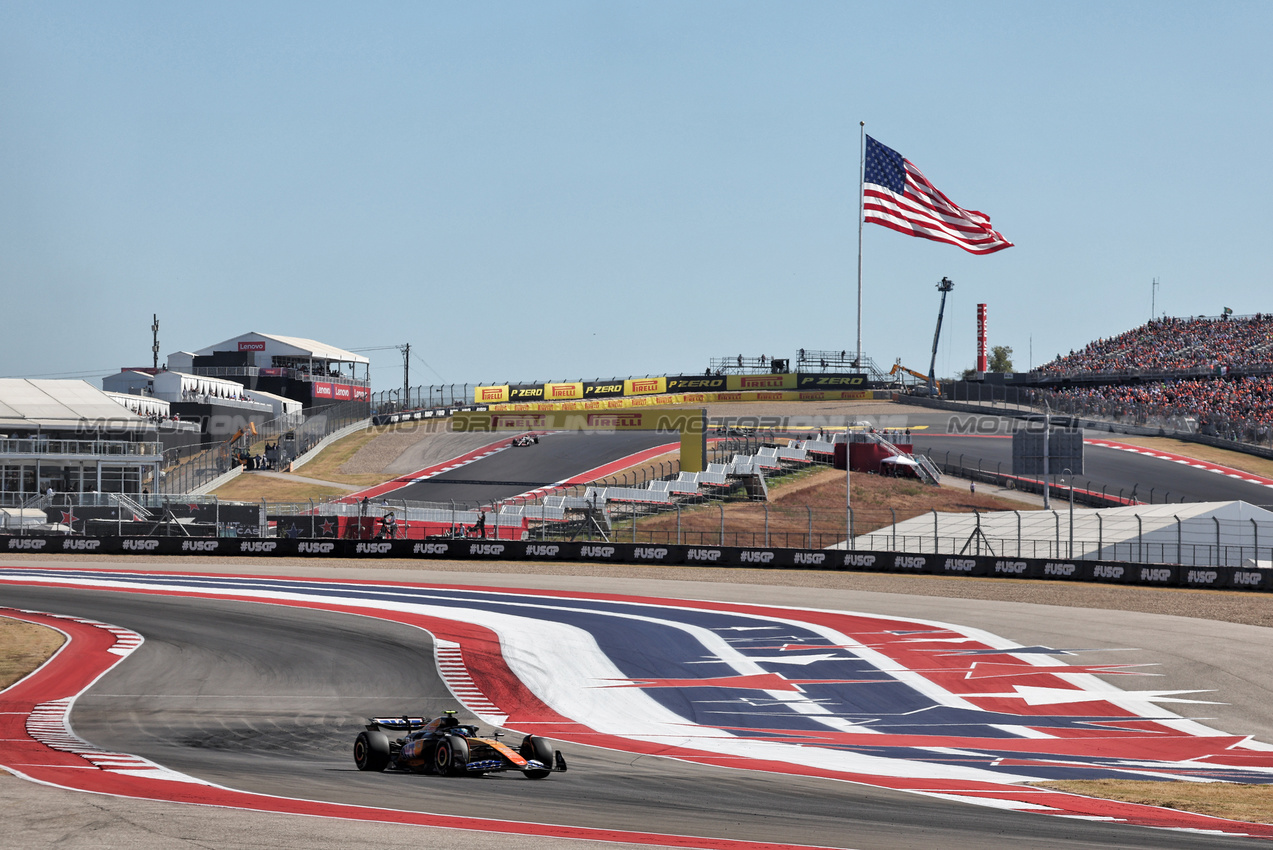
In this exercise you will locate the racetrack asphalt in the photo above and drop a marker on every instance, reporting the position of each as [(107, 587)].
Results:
[(269, 700), (515, 471)]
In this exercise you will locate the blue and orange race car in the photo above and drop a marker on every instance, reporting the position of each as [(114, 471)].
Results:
[(446, 747)]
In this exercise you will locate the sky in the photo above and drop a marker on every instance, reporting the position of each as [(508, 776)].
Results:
[(528, 191)]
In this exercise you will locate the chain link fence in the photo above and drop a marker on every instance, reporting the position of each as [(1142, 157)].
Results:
[(724, 521), (188, 468)]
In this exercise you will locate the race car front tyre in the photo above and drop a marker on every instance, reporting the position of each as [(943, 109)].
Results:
[(371, 751), (451, 757), (541, 750)]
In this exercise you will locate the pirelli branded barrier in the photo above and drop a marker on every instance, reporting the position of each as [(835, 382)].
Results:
[(789, 386), (985, 566), (669, 399)]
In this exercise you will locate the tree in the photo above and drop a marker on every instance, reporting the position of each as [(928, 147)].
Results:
[(1000, 359)]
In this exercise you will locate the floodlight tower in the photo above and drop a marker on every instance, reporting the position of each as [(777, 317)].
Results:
[(945, 286)]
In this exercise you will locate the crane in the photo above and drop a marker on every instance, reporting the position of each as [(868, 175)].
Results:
[(898, 367), (944, 287)]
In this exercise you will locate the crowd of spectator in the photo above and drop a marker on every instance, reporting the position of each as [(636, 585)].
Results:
[(1238, 408), (154, 417), (211, 395), (1169, 344), (1216, 393)]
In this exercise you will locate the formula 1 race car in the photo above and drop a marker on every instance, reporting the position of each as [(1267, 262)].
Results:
[(446, 747), (524, 440)]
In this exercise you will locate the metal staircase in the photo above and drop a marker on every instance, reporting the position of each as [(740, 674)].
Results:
[(925, 468)]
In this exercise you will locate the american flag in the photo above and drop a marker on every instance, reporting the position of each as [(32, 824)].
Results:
[(896, 194)]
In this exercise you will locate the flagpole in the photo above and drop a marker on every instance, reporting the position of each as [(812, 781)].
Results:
[(861, 178)]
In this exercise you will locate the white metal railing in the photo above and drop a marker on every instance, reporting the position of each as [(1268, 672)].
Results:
[(38, 446)]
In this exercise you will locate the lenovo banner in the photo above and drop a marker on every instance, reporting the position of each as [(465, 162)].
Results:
[(252, 346), (339, 392)]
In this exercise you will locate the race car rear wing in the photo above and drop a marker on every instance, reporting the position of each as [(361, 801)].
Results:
[(402, 724)]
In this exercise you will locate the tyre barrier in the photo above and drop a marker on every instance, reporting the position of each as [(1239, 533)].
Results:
[(984, 566)]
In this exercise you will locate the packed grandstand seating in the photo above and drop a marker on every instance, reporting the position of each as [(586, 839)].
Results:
[(1224, 386), (1176, 345), (1237, 408)]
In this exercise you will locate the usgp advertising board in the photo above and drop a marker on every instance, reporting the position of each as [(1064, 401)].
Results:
[(990, 566)]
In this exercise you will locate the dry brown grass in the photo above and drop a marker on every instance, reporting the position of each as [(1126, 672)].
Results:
[(327, 465), (24, 647), (249, 487), (1247, 803), (818, 495)]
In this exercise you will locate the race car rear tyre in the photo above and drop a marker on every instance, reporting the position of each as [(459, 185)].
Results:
[(451, 758), (371, 751), (541, 750)]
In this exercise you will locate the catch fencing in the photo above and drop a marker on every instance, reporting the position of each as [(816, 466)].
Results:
[(188, 468), (1190, 541)]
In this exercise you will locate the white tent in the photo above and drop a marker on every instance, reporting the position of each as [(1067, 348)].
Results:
[(1226, 533), (52, 405)]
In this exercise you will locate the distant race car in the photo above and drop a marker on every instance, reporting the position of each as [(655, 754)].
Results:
[(446, 747), (524, 440)]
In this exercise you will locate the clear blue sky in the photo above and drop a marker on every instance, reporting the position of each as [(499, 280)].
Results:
[(548, 190)]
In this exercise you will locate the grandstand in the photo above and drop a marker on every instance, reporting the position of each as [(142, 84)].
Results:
[(1173, 347), (1209, 375)]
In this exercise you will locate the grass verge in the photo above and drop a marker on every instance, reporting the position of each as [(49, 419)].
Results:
[(24, 647), (1246, 803)]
